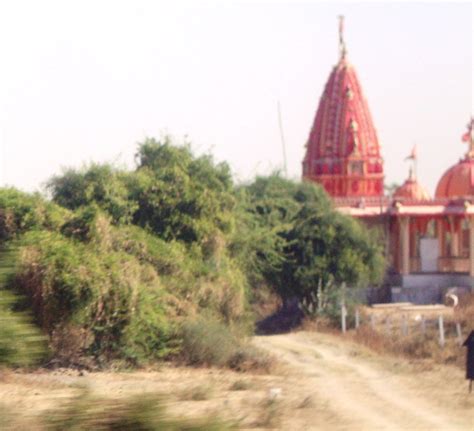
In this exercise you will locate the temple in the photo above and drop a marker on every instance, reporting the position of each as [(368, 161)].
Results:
[(429, 241)]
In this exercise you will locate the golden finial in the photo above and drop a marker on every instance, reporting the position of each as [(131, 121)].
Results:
[(342, 44), (469, 138)]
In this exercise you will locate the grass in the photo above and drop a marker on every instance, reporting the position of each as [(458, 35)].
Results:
[(211, 343), (271, 413), (307, 403), (416, 345), (241, 385), (196, 393), (88, 413)]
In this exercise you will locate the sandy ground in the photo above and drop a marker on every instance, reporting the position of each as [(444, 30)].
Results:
[(324, 383), (361, 391)]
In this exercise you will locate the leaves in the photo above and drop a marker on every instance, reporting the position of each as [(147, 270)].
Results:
[(121, 258), (295, 240)]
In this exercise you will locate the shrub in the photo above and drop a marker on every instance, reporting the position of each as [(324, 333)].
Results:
[(211, 343), (250, 358), (116, 301), (181, 196), (207, 342), (20, 212), (21, 343), (114, 265), (294, 241), (102, 185)]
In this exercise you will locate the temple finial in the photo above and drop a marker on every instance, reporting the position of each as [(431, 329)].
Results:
[(469, 138), (413, 156), (342, 44)]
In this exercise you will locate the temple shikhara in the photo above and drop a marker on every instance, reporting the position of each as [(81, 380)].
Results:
[(429, 239)]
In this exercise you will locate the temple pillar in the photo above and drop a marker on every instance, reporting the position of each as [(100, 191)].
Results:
[(405, 244), (454, 249), (440, 232), (471, 246)]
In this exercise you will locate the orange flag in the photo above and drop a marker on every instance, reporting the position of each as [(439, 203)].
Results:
[(467, 136), (412, 155)]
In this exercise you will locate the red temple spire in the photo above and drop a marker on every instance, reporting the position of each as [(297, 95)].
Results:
[(343, 152)]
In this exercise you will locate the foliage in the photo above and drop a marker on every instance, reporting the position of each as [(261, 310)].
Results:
[(21, 212), (117, 300), (179, 196), (264, 217), (103, 185), (21, 343), (141, 413), (325, 245), (119, 260), (206, 341), (297, 241)]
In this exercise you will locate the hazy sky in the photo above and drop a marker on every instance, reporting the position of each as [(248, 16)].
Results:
[(85, 81)]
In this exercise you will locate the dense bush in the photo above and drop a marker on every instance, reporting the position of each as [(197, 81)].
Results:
[(117, 300), (21, 212), (21, 342), (103, 185), (180, 196), (114, 265), (296, 242)]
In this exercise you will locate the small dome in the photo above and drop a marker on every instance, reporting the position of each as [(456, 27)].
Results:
[(412, 189), (457, 181)]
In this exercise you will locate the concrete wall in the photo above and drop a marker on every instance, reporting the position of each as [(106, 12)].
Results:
[(428, 288)]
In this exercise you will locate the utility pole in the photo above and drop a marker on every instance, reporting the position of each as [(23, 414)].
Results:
[(282, 137)]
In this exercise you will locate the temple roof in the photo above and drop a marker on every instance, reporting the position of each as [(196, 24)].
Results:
[(411, 189), (343, 152), (458, 180)]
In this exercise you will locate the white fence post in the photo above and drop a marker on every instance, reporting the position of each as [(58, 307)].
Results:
[(459, 333), (404, 325), (441, 330), (357, 318), (343, 318)]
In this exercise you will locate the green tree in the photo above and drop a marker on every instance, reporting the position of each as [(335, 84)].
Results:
[(101, 184), (180, 196), (298, 241)]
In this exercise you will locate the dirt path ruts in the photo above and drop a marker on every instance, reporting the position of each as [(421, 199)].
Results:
[(360, 394)]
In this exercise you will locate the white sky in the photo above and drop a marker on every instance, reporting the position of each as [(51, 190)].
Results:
[(84, 81)]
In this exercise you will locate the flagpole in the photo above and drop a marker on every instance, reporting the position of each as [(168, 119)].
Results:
[(413, 171), (282, 137), (415, 167)]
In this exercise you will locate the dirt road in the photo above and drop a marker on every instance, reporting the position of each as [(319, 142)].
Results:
[(323, 383), (351, 389)]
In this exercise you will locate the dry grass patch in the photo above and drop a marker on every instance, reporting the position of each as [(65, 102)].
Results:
[(212, 344), (196, 393), (271, 413), (411, 346), (241, 385)]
